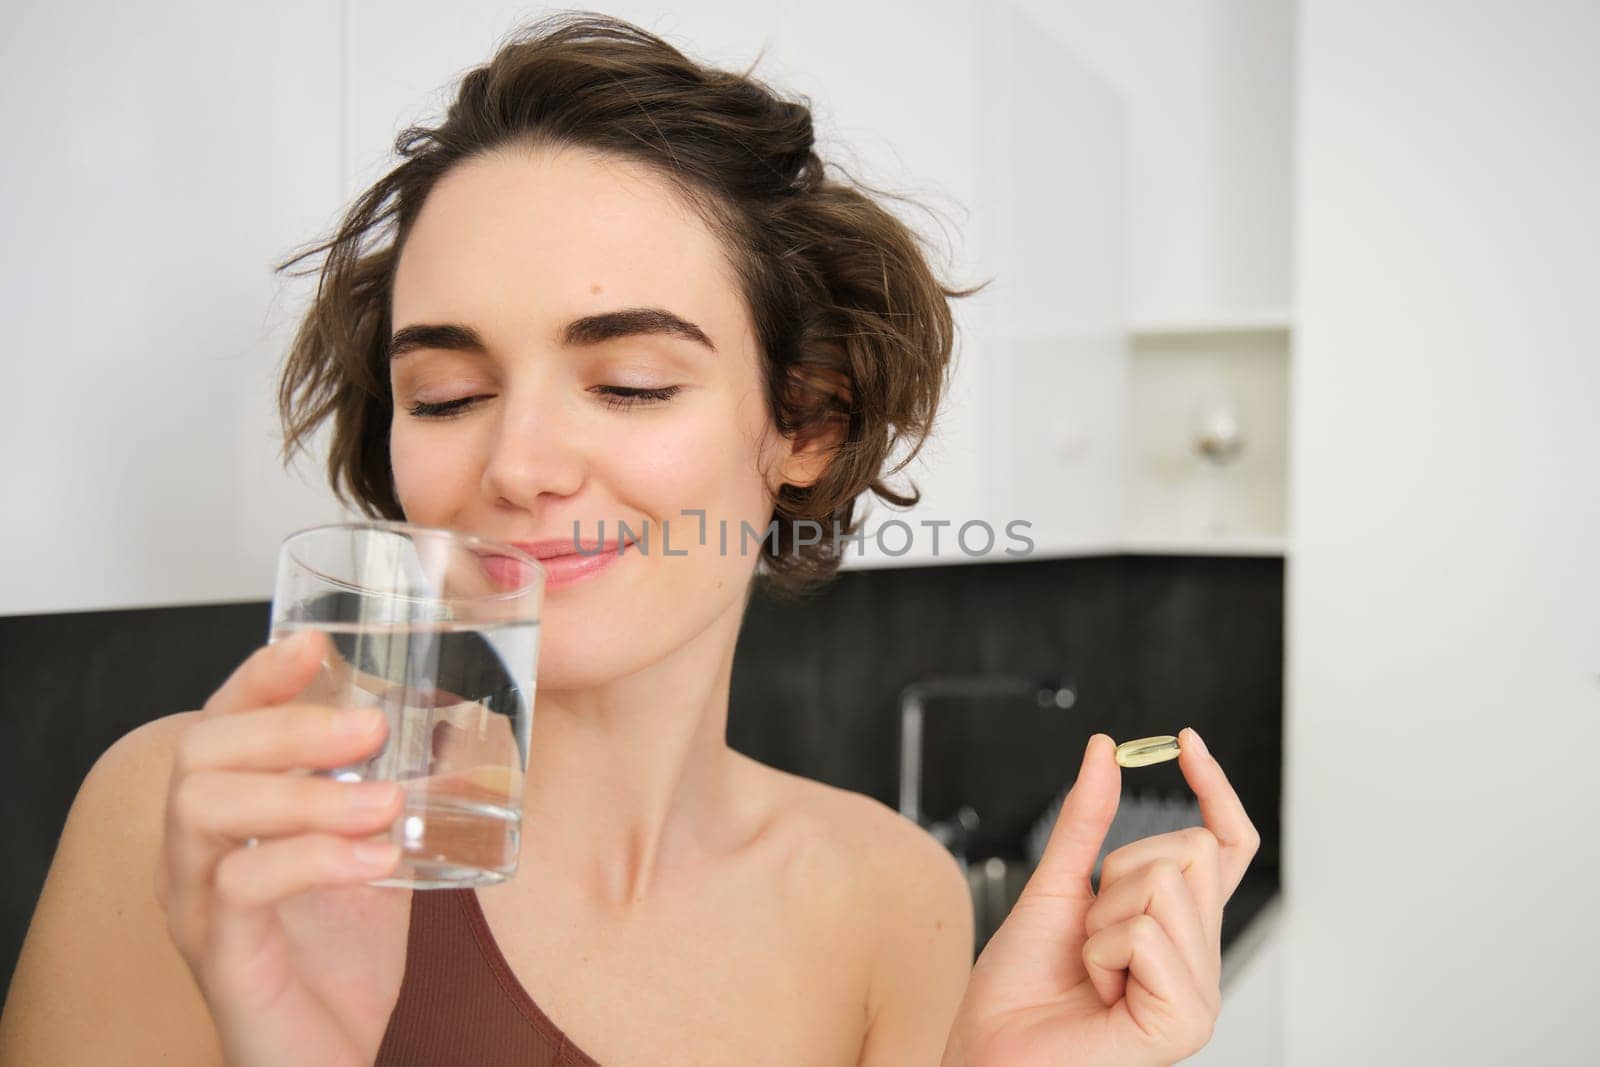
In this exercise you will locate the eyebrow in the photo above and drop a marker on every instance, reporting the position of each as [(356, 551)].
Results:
[(589, 330)]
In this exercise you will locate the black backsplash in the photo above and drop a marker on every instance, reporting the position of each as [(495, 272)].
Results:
[(1150, 644)]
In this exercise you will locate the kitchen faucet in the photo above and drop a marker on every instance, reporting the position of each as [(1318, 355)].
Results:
[(956, 833)]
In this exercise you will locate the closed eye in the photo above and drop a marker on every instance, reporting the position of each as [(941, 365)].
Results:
[(624, 396), (424, 409), (616, 396)]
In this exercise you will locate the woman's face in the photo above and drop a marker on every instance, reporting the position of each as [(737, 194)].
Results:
[(515, 248)]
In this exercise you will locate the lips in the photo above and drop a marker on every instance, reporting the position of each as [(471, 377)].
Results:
[(566, 546), (505, 572), (567, 560), (566, 569)]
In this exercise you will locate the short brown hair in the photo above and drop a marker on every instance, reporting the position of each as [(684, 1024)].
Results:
[(855, 330)]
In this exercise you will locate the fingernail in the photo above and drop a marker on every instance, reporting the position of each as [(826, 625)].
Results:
[(356, 720), (375, 853), (1196, 741), (1088, 749), (370, 796), (297, 641)]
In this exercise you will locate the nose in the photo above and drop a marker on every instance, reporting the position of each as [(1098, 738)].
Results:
[(537, 452)]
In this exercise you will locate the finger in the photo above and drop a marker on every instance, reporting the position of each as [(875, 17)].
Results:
[(1161, 1000), (273, 871), (250, 882), (1080, 828), (235, 805), (272, 674), (281, 737), (210, 814), (1196, 852), (267, 738), (1221, 808), (1160, 891)]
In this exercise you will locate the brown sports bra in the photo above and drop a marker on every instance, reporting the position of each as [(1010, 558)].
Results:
[(459, 1001)]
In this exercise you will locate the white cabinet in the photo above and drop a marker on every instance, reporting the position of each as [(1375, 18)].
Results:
[(1028, 453), (1208, 93), (1223, 384), (1051, 220), (1209, 90)]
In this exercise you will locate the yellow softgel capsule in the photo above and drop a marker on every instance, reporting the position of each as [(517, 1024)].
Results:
[(1147, 750)]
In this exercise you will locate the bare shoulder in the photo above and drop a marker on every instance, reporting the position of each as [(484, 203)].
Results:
[(914, 915), (123, 797), (98, 936), (883, 840), (132, 758), (895, 868)]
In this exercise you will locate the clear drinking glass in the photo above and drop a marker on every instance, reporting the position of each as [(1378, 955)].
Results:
[(439, 629)]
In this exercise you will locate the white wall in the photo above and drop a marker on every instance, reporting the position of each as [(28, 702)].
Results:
[(155, 166), (1444, 593)]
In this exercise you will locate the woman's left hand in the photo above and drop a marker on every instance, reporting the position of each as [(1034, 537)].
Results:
[(1128, 977)]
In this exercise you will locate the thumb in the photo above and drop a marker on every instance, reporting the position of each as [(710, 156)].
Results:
[(1086, 813), (1036, 955), (273, 674)]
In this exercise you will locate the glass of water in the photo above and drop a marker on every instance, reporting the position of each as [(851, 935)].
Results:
[(440, 630)]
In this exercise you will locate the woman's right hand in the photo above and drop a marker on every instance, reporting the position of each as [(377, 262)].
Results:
[(298, 958)]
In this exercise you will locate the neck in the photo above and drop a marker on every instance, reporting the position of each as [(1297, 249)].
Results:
[(632, 781)]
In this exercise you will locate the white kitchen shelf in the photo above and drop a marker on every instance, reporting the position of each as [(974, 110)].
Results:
[(1263, 320), (1234, 545)]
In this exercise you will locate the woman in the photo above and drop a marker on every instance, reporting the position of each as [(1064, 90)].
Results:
[(619, 288)]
